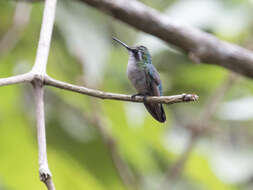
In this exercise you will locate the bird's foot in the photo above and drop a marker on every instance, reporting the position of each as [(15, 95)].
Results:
[(134, 95), (139, 94), (145, 98)]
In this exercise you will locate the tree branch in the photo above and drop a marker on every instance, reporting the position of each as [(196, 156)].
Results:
[(39, 73), (200, 46), (107, 95), (45, 174), (27, 77), (45, 38)]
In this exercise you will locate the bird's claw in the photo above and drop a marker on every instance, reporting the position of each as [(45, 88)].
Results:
[(143, 95), (134, 95)]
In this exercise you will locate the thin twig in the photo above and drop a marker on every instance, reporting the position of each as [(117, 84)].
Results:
[(107, 95), (27, 77), (45, 174), (45, 38)]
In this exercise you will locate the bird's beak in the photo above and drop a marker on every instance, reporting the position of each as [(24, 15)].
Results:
[(123, 44)]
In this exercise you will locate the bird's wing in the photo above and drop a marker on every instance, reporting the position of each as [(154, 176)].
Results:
[(155, 89), (154, 81)]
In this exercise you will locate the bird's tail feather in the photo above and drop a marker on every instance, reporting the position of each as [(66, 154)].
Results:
[(156, 110)]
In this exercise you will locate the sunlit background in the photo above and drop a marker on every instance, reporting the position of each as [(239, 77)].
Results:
[(98, 144)]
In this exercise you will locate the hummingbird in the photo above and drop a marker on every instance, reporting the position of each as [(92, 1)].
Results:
[(145, 78)]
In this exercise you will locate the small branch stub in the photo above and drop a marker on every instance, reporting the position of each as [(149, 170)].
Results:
[(190, 97)]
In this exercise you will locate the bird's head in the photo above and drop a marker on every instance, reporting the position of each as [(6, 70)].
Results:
[(139, 52)]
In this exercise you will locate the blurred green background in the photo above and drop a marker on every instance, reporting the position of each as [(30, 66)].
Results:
[(112, 145)]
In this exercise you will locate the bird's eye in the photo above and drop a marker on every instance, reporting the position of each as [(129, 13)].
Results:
[(135, 51)]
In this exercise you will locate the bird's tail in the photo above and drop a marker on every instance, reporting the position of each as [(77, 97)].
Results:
[(156, 110)]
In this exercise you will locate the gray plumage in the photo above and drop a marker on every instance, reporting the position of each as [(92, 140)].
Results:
[(145, 78)]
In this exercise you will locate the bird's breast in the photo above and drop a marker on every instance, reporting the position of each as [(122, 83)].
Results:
[(137, 76)]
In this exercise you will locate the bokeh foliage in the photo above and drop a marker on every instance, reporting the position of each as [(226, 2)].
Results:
[(78, 156)]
